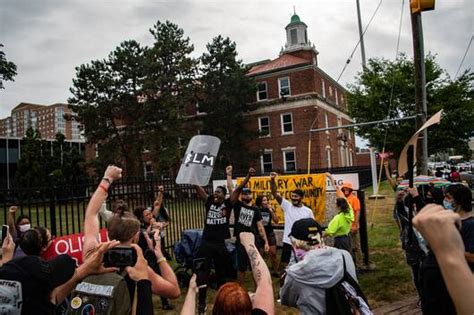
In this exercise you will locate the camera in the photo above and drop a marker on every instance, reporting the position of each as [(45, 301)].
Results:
[(5, 230), (120, 257), (201, 269)]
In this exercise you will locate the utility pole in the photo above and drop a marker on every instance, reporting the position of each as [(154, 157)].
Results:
[(416, 7), (361, 36)]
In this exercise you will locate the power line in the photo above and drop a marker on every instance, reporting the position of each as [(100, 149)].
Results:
[(358, 43), (465, 54)]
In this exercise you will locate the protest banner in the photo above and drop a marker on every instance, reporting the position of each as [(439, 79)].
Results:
[(313, 185), (71, 245)]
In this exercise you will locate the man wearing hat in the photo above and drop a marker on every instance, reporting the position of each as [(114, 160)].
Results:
[(316, 269)]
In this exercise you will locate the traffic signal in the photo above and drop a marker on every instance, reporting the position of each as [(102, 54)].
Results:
[(421, 5)]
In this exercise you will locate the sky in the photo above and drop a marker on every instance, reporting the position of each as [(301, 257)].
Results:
[(47, 39)]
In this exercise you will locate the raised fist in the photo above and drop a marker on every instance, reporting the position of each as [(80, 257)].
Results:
[(13, 209), (228, 170), (113, 172), (251, 171), (161, 188), (273, 175)]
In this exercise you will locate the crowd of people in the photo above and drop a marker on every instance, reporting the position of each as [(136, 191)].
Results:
[(120, 276)]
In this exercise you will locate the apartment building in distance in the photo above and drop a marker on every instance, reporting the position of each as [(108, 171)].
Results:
[(47, 119)]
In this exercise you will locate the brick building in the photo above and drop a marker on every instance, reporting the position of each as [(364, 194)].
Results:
[(47, 119), (293, 96)]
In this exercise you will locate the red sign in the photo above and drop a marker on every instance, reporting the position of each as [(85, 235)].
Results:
[(71, 245)]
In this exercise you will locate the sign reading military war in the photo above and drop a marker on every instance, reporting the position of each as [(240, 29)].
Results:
[(313, 185)]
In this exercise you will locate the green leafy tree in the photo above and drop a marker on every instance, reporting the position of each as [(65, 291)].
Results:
[(386, 90), (30, 169), (7, 68), (225, 97)]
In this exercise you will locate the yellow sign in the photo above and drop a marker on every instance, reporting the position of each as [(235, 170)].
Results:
[(313, 185)]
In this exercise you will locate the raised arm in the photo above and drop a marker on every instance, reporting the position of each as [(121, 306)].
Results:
[(439, 228), (202, 194), (392, 183), (158, 201), (273, 188), (263, 298), (167, 284), (11, 220), (235, 194), (91, 220), (339, 192), (228, 174)]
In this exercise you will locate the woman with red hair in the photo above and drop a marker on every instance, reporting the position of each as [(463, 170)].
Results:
[(231, 298)]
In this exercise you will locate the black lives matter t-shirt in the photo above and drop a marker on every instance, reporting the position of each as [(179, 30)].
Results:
[(246, 218), (216, 226), (267, 220)]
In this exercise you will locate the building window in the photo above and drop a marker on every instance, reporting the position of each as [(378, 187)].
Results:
[(267, 163), (326, 122), (286, 123), (337, 98), (284, 86), (330, 90), (262, 91), (328, 156), (289, 160), (264, 126), (293, 37), (323, 88)]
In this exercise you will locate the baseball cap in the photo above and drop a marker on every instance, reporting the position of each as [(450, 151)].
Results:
[(246, 190), (306, 230), (38, 278), (347, 185)]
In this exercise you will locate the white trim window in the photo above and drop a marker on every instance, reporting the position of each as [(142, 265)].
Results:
[(262, 91), (289, 159), (264, 126), (323, 87), (337, 97), (284, 86), (328, 157), (266, 161), (286, 123)]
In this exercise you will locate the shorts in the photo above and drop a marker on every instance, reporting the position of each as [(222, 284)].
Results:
[(286, 253), (270, 237), (243, 262)]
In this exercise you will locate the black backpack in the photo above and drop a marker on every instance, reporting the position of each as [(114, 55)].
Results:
[(338, 299)]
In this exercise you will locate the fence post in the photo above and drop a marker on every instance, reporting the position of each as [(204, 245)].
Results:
[(52, 212), (364, 240)]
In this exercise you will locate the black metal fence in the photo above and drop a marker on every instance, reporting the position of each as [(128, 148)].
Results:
[(62, 208)]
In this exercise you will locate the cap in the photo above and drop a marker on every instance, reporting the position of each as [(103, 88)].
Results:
[(347, 185), (307, 230), (246, 190)]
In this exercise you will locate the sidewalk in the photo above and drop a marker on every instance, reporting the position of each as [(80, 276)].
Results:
[(406, 307)]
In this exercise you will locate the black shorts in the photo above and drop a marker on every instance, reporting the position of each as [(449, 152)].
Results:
[(243, 262), (286, 253)]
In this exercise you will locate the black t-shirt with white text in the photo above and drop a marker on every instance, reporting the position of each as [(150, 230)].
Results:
[(246, 218), (216, 226), (267, 220)]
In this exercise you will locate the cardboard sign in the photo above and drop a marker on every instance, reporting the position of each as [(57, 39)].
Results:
[(71, 245), (199, 160), (313, 185)]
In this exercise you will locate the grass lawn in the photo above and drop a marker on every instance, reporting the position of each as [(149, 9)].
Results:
[(391, 281)]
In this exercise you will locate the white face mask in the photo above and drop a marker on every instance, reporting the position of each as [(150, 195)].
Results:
[(24, 227)]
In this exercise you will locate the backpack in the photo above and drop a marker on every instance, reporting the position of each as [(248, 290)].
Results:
[(104, 294), (346, 297)]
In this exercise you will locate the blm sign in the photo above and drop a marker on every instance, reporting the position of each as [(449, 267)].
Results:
[(199, 160)]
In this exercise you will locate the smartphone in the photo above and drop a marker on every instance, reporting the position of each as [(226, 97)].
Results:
[(5, 231), (200, 268), (120, 257)]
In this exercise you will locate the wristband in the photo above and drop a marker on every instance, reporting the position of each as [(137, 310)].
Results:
[(104, 188), (107, 180), (160, 260)]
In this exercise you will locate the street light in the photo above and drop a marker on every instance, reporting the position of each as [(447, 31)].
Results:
[(309, 139)]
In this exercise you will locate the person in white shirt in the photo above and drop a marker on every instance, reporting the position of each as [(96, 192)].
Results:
[(293, 211)]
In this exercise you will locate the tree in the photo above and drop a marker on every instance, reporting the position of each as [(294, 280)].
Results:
[(30, 171), (385, 90), (134, 100), (7, 68), (225, 97)]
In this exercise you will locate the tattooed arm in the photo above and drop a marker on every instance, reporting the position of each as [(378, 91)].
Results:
[(263, 298)]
